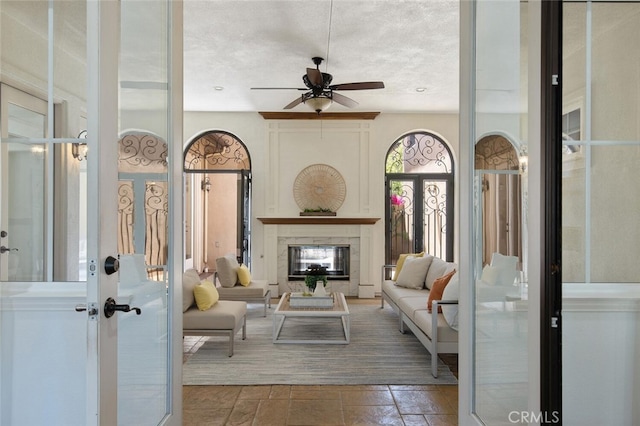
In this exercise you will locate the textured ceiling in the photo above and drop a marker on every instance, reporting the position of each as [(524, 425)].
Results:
[(237, 45)]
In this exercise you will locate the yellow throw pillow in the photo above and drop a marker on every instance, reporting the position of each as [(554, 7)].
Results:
[(244, 276), (206, 295), (400, 263)]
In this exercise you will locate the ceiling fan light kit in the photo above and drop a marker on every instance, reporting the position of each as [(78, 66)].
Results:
[(319, 104)]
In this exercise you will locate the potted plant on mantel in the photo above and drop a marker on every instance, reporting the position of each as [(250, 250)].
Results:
[(317, 212), (314, 274)]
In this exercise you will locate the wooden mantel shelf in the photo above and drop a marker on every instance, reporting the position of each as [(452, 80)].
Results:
[(318, 220)]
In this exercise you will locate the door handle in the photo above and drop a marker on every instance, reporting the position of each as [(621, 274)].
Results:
[(4, 249), (110, 308), (92, 310)]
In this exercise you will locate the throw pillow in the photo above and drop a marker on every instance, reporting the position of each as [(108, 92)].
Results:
[(437, 269), (244, 276), (227, 269), (206, 295), (413, 272), (400, 263), (490, 274), (506, 267), (190, 279), (451, 292), (437, 289)]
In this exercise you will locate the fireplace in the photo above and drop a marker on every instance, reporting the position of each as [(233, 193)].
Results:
[(334, 257)]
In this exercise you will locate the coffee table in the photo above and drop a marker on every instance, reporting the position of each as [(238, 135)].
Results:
[(339, 310)]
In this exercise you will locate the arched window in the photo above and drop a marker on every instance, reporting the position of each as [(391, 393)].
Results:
[(497, 172), (218, 200), (216, 150), (419, 194), (143, 197)]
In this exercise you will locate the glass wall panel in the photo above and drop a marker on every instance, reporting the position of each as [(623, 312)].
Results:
[(615, 203), (25, 23), (500, 308), (573, 217), (600, 201), (615, 31)]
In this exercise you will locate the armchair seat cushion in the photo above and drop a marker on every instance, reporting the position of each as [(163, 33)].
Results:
[(255, 290), (226, 315)]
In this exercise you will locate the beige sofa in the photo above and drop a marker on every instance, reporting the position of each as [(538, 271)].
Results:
[(408, 295), (224, 318)]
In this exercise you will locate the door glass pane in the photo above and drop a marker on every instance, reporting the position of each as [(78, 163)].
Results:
[(500, 308), (401, 226), (435, 217), (143, 340), (25, 198), (600, 201)]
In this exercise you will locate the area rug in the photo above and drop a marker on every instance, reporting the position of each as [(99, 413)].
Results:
[(377, 354)]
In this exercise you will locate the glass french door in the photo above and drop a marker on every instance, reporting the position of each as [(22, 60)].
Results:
[(496, 348), (63, 105), (417, 218)]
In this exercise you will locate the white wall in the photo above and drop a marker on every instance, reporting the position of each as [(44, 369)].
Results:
[(279, 149)]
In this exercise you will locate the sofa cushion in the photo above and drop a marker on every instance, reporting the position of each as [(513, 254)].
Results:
[(410, 305), (206, 295), (400, 263), (224, 315), (438, 288), (437, 269), (414, 272), (422, 319), (227, 269), (395, 293), (190, 279), (256, 289), (451, 292), (244, 276)]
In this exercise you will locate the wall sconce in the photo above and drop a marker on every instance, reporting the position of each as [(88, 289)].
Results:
[(206, 184), (79, 149), (523, 158)]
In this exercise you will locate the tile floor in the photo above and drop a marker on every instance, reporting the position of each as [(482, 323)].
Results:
[(320, 405), (367, 405)]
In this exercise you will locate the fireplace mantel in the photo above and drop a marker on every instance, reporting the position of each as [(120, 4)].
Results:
[(319, 220)]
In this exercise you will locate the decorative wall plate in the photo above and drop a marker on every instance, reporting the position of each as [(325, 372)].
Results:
[(319, 187)]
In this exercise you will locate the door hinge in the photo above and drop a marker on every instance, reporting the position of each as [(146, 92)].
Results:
[(554, 322), (554, 80)]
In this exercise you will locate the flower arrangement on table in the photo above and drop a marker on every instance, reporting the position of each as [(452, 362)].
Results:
[(314, 274)]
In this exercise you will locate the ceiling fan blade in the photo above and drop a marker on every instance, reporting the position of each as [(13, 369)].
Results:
[(343, 100), (363, 85), (279, 88), (295, 102), (315, 77)]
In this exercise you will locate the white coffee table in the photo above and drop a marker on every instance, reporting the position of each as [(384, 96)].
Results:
[(339, 310)]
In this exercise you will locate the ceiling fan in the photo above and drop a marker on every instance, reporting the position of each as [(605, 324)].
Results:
[(321, 93)]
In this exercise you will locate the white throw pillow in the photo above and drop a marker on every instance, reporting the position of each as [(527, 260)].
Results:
[(413, 272), (506, 266), (451, 292), (490, 275), (438, 269)]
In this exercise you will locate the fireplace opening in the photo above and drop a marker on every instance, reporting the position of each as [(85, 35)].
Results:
[(334, 257)]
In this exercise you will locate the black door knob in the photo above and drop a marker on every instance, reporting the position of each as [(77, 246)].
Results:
[(110, 308)]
